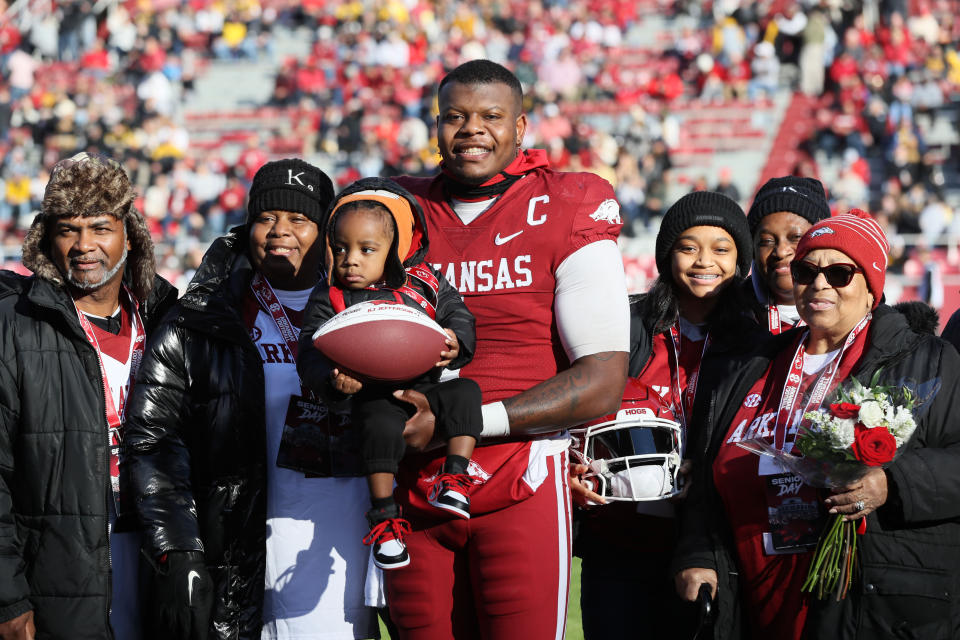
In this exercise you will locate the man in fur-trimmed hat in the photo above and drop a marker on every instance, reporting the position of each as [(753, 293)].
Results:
[(69, 334)]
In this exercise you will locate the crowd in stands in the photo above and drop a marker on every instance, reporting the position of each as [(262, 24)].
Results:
[(882, 94), (115, 80)]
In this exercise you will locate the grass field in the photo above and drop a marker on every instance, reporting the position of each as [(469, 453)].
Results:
[(574, 628)]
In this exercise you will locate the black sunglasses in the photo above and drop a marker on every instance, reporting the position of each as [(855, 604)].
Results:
[(838, 274)]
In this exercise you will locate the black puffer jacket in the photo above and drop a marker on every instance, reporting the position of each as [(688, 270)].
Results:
[(196, 441), (910, 556), (54, 479)]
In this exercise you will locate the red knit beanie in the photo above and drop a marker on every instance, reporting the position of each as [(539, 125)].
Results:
[(858, 235)]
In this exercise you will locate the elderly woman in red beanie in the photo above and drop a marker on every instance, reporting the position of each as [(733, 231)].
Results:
[(910, 554)]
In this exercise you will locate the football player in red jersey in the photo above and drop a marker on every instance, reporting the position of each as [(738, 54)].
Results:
[(533, 252)]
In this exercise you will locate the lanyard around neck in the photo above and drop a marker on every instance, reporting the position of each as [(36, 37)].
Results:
[(791, 388), (684, 397), (773, 320), (268, 301), (137, 338)]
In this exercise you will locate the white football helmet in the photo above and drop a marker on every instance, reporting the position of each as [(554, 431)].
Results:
[(634, 455)]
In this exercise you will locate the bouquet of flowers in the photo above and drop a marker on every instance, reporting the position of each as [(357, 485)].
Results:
[(864, 427)]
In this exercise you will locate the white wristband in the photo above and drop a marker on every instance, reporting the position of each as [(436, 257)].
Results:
[(496, 424)]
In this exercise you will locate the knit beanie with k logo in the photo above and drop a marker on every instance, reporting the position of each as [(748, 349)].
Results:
[(290, 185)]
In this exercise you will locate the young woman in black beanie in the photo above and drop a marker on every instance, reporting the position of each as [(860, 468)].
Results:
[(683, 333), (782, 211)]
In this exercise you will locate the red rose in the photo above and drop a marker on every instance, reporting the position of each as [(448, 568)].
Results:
[(873, 447), (845, 410)]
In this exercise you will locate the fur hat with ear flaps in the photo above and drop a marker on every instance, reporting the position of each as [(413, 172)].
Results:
[(90, 185)]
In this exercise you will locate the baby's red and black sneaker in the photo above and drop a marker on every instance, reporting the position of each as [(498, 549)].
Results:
[(451, 492), (387, 529)]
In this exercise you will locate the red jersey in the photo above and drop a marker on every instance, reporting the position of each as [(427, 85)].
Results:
[(770, 583), (504, 265)]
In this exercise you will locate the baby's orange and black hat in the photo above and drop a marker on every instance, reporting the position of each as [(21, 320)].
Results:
[(410, 243)]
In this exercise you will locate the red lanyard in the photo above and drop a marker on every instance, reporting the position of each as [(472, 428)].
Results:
[(791, 389), (115, 417), (684, 397), (269, 302), (773, 320)]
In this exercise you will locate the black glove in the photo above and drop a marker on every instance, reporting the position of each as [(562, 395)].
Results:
[(182, 597)]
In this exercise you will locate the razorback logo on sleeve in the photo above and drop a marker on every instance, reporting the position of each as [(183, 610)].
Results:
[(608, 211)]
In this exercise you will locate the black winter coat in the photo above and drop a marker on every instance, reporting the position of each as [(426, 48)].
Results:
[(910, 555), (196, 439), (54, 461), (723, 344), (951, 332)]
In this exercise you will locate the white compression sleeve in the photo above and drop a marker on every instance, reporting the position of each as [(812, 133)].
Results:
[(593, 315)]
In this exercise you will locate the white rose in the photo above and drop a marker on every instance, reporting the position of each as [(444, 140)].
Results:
[(871, 414)]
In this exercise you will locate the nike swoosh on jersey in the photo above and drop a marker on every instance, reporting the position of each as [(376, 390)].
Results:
[(193, 575), (499, 241)]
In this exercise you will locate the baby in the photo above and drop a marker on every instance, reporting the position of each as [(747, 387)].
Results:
[(376, 242)]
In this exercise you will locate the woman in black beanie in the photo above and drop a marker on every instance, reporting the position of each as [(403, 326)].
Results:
[(702, 247), (696, 308), (782, 211), (683, 333), (248, 486)]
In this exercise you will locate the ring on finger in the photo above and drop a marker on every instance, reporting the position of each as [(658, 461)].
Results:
[(859, 505)]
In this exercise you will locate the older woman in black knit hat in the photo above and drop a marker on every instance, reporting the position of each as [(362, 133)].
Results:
[(236, 467), (682, 334), (782, 211)]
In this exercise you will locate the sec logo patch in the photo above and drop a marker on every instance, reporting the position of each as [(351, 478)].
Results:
[(752, 400), (255, 333)]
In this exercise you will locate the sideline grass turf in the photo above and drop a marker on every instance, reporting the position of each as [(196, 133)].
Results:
[(574, 627)]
